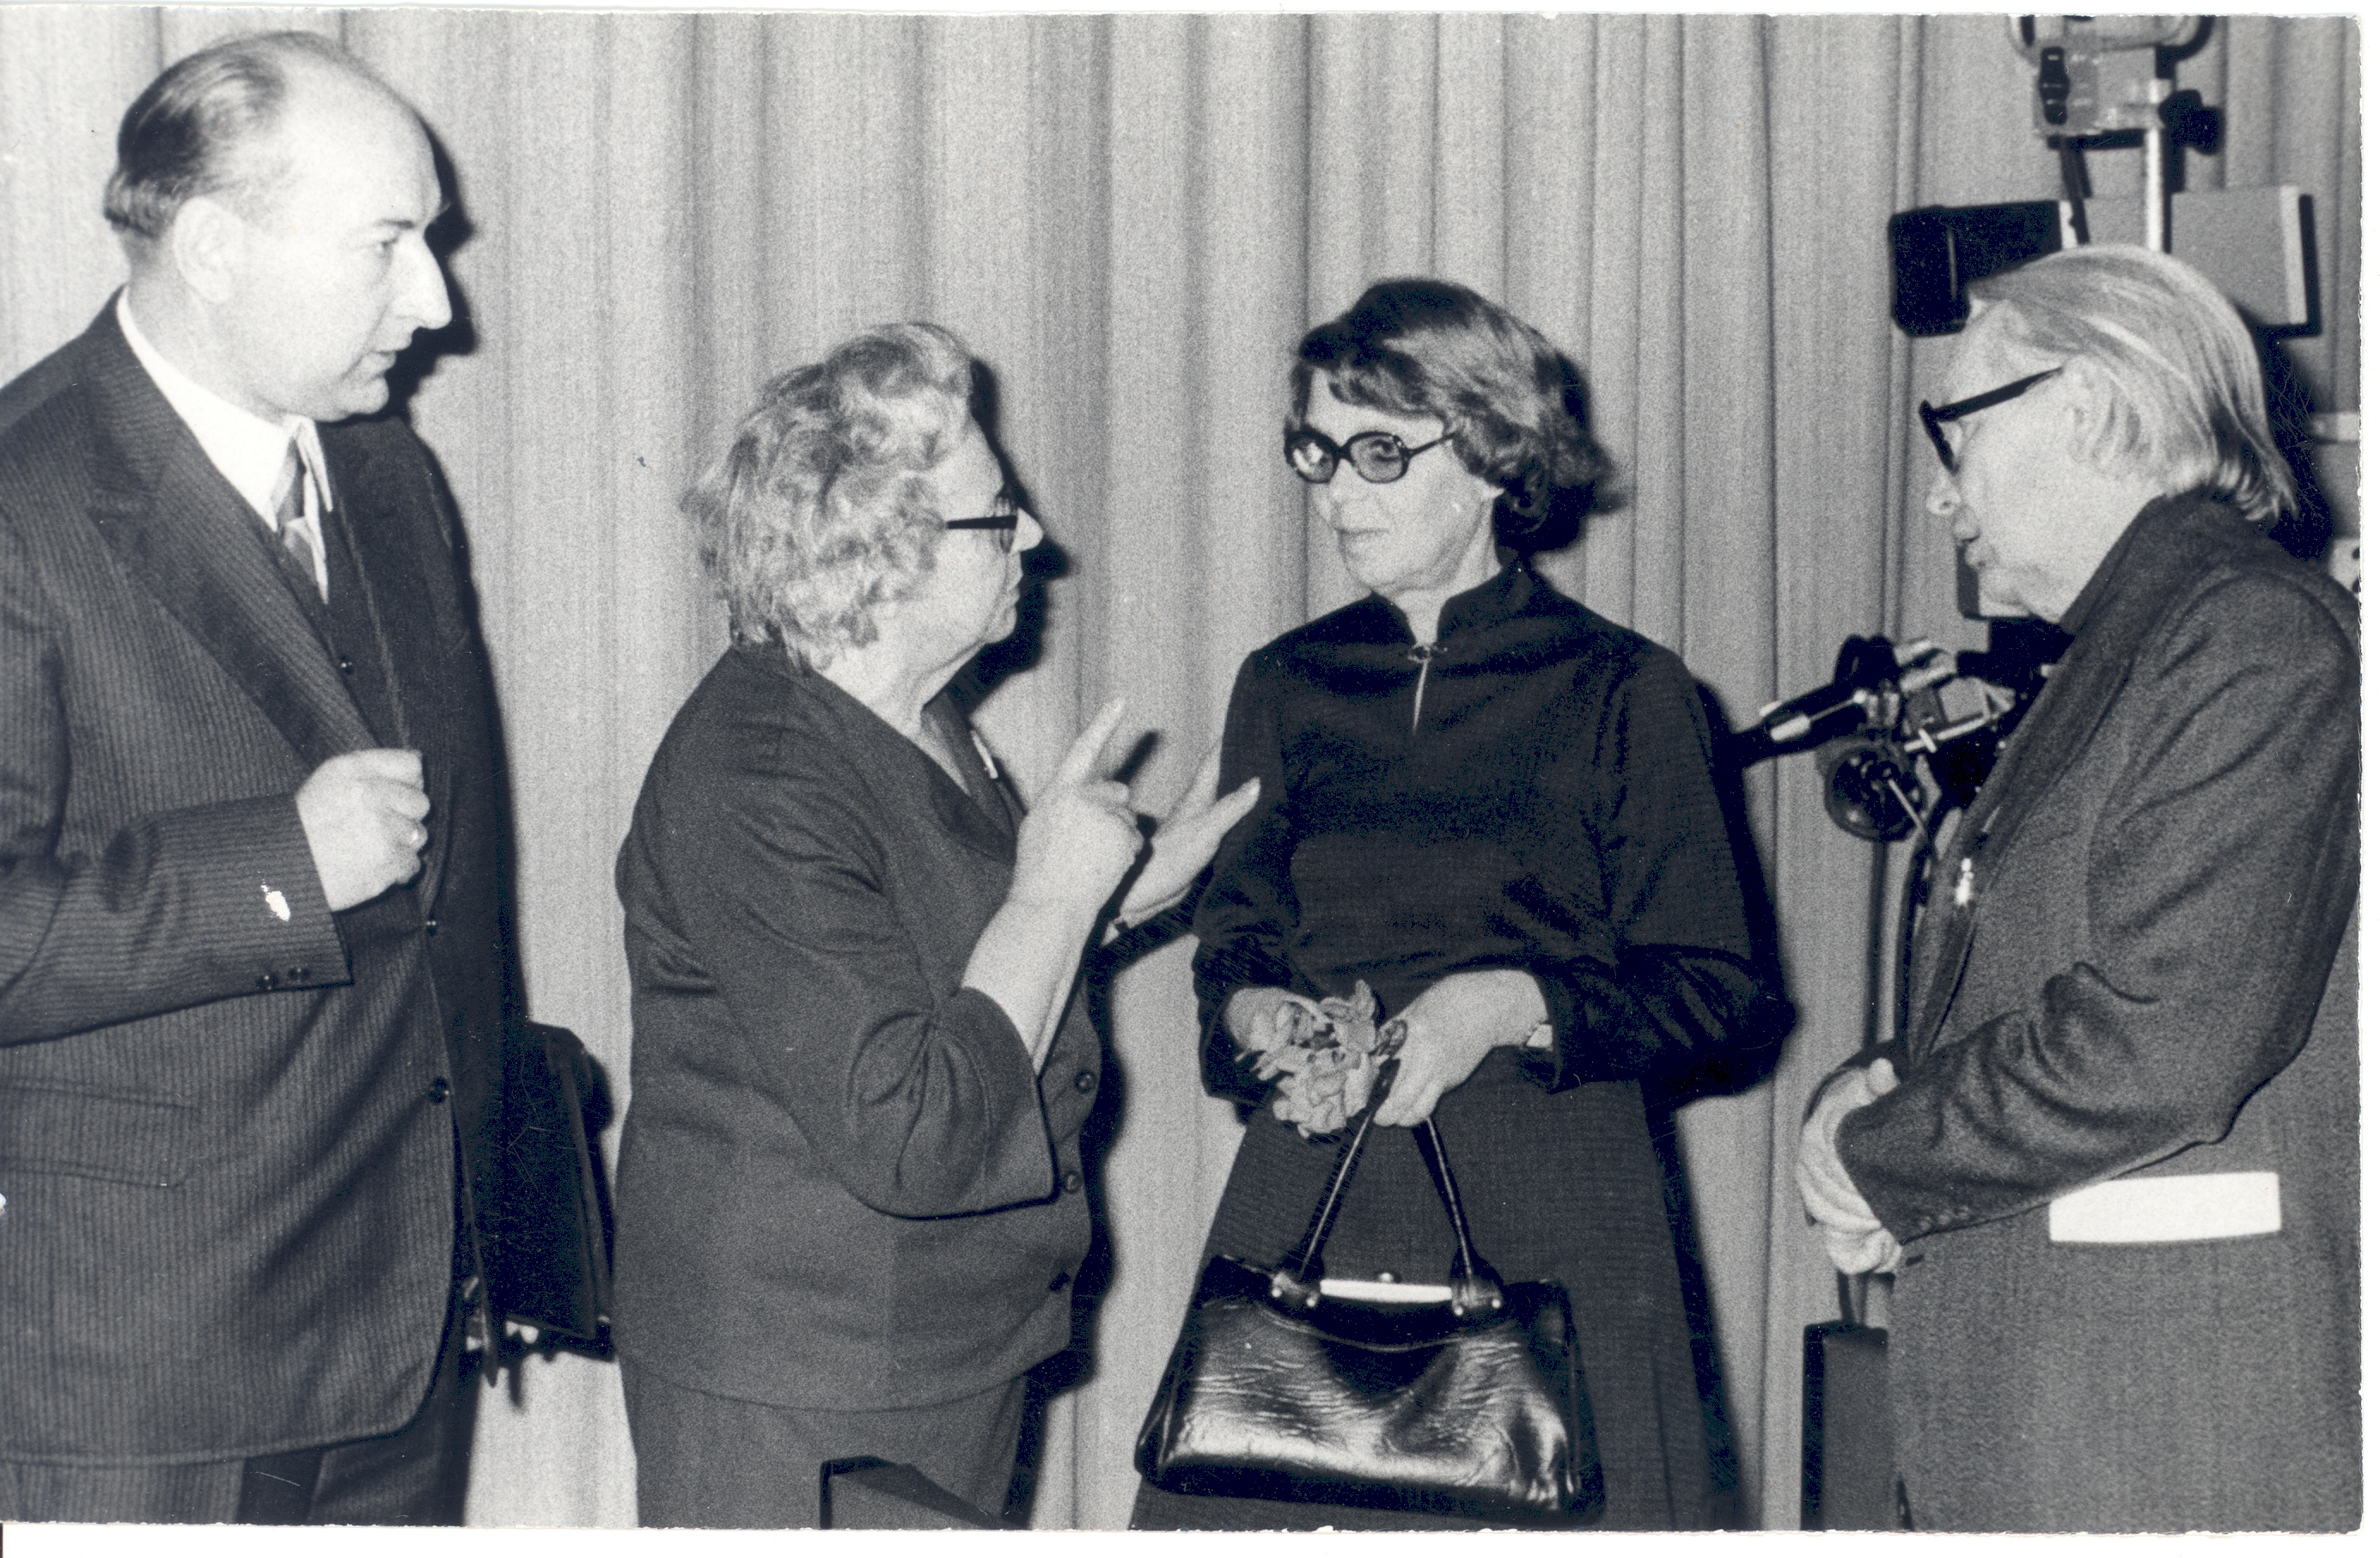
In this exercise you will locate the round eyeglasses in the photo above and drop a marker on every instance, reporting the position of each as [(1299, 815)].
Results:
[(1376, 457)]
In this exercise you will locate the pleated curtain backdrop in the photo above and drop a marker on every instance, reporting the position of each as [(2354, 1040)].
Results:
[(1131, 219)]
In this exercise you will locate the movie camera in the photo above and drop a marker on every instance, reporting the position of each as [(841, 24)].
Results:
[(1892, 708)]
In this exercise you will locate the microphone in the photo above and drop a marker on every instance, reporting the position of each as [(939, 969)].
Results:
[(1863, 668), (1866, 669)]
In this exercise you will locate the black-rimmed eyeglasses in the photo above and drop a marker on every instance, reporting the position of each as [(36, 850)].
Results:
[(1934, 415), (1005, 524), (1376, 457)]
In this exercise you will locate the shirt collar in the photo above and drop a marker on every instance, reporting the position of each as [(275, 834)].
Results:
[(246, 448)]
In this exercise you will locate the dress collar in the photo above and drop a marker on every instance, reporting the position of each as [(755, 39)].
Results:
[(1502, 598), (1499, 599), (978, 799)]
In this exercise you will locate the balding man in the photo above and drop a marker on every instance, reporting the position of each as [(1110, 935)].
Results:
[(2113, 1159), (253, 963)]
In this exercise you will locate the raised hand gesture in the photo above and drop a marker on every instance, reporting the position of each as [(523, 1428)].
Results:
[(1187, 839), (1082, 835)]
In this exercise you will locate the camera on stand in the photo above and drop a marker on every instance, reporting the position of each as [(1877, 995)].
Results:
[(1895, 715)]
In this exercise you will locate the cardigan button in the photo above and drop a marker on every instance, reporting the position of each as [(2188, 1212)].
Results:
[(1072, 1182), (438, 1089), (1086, 1081), (267, 981)]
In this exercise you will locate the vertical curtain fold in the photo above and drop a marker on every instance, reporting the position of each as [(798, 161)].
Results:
[(1199, 555), (1601, 569), (1655, 463), (1472, 223), (1545, 202), (66, 77), (1831, 156), (1131, 219)]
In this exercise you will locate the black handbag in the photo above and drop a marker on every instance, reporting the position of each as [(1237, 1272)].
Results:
[(1473, 1406)]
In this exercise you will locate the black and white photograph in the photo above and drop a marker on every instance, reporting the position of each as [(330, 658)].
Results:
[(1154, 769)]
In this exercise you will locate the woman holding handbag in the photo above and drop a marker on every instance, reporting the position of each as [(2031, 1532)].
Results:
[(1493, 813)]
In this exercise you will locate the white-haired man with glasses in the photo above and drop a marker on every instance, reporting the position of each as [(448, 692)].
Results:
[(2112, 1159)]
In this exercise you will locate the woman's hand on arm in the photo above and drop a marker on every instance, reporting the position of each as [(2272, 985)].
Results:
[(1449, 1028), (1187, 839), (1076, 842)]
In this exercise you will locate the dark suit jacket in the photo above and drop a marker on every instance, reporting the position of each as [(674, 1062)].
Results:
[(841, 1184), (2145, 977), (227, 1116)]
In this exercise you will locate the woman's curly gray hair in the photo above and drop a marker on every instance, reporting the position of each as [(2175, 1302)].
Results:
[(1514, 416), (818, 511)]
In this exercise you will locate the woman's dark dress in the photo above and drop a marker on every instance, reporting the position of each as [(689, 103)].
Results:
[(1550, 807)]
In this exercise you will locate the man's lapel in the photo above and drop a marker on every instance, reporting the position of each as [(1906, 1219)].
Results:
[(195, 544), (410, 626), (2048, 742)]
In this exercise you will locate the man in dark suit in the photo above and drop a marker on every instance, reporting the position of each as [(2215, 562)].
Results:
[(2113, 1159), (254, 963)]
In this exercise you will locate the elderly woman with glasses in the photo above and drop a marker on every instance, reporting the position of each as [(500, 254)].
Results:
[(1496, 812), (851, 1198)]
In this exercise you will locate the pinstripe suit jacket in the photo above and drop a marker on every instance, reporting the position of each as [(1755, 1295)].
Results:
[(227, 1116), (2133, 978)]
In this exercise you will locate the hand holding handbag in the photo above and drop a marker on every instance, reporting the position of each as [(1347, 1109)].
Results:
[(1471, 1405)]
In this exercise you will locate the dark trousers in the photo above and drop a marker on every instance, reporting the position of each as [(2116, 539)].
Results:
[(414, 1477), (712, 1461)]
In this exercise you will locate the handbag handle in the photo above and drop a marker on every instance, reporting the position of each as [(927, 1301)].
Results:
[(1475, 1281)]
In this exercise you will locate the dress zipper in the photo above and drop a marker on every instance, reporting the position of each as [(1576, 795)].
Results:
[(1421, 655)]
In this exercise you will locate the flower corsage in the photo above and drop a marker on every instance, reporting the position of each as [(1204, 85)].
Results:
[(1327, 1063)]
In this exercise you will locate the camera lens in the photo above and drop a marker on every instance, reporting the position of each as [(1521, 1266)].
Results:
[(1870, 790)]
